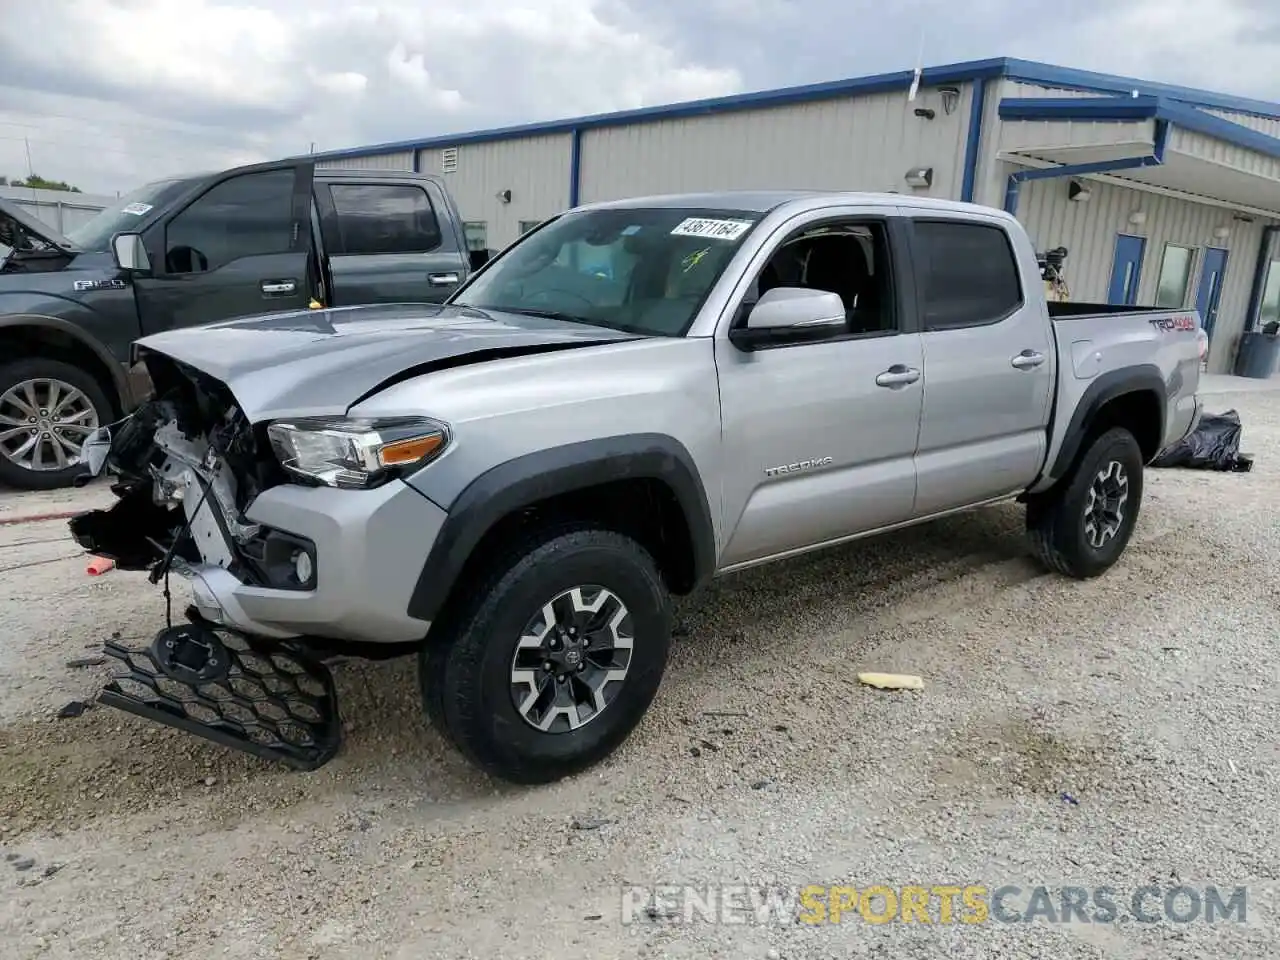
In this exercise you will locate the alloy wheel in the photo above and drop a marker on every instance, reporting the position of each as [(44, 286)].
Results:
[(44, 423), (571, 659), (1104, 506)]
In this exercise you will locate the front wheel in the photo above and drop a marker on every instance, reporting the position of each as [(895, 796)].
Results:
[(47, 409), (1081, 528), (555, 659)]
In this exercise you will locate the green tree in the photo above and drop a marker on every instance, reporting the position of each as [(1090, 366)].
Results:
[(37, 182)]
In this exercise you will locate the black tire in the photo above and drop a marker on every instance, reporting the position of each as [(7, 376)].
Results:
[(37, 368), (1058, 522), (465, 668)]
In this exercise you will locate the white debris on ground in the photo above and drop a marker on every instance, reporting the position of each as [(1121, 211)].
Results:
[(1119, 732)]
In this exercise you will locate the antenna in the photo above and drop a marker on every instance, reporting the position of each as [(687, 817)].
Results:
[(918, 73), (31, 170)]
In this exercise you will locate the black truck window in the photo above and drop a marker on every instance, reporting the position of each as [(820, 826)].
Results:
[(247, 216), (968, 271), (384, 218)]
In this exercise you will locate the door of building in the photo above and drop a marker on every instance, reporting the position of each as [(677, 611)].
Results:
[(1126, 270), (1209, 292)]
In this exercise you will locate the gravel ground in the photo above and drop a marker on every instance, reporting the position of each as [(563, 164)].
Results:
[(1147, 697)]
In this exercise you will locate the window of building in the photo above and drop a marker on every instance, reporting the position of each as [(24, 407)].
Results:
[(477, 232), (1270, 312), (527, 225), (1175, 276), (247, 216), (384, 218), (969, 275)]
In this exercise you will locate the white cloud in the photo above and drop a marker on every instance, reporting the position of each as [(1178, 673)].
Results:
[(137, 89), (109, 93)]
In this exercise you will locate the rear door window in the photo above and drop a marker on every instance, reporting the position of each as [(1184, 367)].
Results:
[(967, 274), (375, 218)]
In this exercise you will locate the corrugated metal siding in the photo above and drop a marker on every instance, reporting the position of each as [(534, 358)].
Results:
[(1218, 151), (62, 210), (385, 161), (1016, 88), (1024, 134), (1267, 125), (534, 169), (859, 143), (993, 174), (1088, 231)]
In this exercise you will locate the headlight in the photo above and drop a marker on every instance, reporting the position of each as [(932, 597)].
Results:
[(354, 452)]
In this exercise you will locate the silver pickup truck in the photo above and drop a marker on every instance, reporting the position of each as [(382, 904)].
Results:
[(634, 398)]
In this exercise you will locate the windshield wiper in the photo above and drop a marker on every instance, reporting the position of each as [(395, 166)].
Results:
[(548, 314)]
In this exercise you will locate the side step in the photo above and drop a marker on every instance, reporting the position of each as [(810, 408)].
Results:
[(265, 698)]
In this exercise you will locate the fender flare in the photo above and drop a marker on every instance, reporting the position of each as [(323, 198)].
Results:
[(1144, 378), (533, 477), (119, 377)]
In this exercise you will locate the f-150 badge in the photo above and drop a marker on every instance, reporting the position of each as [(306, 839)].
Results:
[(82, 285)]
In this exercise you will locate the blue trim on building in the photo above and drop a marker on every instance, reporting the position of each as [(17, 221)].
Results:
[(1069, 78), (973, 141), (1079, 108), (575, 167), (1139, 108), (1154, 159), (806, 93), (1258, 287), (968, 72)]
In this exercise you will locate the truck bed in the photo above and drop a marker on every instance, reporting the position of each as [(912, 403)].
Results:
[(1071, 310)]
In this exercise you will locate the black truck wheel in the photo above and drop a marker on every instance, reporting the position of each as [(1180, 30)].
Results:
[(552, 662), (1081, 528), (47, 409)]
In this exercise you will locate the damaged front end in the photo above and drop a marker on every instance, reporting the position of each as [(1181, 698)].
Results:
[(185, 465)]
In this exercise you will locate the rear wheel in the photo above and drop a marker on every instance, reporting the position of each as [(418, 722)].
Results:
[(555, 659), (1081, 528), (47, 409)]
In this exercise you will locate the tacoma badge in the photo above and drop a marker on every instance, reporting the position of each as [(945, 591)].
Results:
[(800, 467)]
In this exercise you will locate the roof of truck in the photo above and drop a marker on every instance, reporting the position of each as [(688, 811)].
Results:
[(764, 201)]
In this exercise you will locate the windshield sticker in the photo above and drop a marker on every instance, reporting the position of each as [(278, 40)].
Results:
[(693, 259), (137, 209), (711, 229)]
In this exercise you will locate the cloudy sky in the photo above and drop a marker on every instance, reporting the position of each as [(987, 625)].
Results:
[(109, 93)]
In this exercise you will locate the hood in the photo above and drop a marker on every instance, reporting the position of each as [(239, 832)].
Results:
[(324, 361), (33, 225)]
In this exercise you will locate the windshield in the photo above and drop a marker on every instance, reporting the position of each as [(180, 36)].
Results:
[(95, 235), (641, 269)]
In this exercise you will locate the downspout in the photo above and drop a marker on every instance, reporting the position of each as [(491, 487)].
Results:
[(1260, 276), (575, 166), (973, 143), (1155, 159)]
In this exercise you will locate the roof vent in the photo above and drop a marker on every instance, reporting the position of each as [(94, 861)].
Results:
[(449, 160)]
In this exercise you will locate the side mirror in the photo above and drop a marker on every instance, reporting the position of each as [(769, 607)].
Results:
[(789, 315), (130, 253), (5, 253)]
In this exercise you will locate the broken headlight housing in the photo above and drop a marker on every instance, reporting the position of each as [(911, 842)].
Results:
[(355, 452)]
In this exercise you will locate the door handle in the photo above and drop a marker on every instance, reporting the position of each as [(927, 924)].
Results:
[(1027, 360), (276, 288), (898, 376), (442, 279)]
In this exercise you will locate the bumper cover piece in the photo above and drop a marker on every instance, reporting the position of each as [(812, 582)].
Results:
[(268, 699)]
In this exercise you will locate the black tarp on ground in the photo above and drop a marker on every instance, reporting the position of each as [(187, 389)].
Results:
[(1213, 445)]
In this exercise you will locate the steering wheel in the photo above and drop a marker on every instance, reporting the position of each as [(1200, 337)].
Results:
[(549, 293)]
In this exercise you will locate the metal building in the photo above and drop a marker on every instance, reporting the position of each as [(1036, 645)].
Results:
[(60, 209), (1163, 195)]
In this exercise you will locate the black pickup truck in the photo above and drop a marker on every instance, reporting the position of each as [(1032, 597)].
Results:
[(193, 250)]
